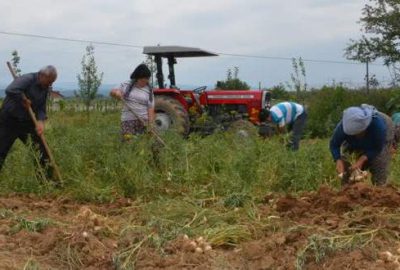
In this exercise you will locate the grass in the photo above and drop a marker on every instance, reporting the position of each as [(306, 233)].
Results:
[(96, 166)]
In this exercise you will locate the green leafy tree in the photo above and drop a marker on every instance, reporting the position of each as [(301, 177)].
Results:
[(380, 22), (90, 79), (15, 62), (232, 81), (361, 50)]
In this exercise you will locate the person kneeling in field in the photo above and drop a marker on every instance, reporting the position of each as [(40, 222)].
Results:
[(368, 132), (290, 115), (138, 110), (28, 90)]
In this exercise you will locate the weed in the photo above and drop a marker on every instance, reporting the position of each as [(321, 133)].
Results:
[(236, 200), (320, 246), (37, 225)]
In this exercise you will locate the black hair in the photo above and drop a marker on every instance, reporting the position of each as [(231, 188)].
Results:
[(140, 72), (264, 114)]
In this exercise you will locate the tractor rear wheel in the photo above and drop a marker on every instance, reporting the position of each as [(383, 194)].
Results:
[(171, 115)]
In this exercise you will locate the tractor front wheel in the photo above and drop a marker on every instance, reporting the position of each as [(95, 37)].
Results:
[(171, 115)]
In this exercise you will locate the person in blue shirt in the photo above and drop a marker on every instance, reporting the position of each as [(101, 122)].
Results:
[(368, 132), (290, 115)]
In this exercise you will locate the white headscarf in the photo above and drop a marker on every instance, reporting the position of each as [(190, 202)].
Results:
[(357, 119)]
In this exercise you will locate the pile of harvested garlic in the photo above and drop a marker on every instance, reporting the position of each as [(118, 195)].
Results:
[(356, 175), (200, 245)]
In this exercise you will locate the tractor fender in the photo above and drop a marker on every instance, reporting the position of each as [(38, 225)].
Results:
[(175, 94)]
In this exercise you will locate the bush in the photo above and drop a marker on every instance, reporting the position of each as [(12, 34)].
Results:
[(279, 92), (232, 84), (326, 106), (232, 81)]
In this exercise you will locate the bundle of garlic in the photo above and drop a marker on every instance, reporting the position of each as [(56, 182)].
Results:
[(356, 175), (200, 245)]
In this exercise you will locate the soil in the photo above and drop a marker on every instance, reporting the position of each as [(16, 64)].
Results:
[(327, 229)]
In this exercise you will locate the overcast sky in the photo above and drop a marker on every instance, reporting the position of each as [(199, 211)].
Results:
[(313, 29)]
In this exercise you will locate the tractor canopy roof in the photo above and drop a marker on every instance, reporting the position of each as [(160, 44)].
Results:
[(176, 51)]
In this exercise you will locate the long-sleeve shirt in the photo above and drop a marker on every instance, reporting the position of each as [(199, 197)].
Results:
[(29, 85), (371, 144)]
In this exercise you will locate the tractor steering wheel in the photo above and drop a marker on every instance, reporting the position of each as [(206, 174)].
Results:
[(199, 90)]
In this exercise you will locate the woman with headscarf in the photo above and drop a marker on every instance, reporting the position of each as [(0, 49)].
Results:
[(368, 132), (138, 110)]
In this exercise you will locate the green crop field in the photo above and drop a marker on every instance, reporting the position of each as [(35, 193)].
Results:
[(96, 166), (126, 205)]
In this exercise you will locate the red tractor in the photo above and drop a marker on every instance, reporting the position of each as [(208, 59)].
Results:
[(200, 109)]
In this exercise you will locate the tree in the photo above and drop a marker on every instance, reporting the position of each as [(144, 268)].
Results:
[(364, 52), (394, 71), (89, 80), (298, 78), (361, 50), (232, 81), (279, 92), (373, 82), (15, 62), (381, 26)]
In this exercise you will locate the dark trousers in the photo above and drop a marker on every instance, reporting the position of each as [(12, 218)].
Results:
[(297, 129), (11, 130)]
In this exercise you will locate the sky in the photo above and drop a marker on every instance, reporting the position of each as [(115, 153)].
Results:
[(312, 29)]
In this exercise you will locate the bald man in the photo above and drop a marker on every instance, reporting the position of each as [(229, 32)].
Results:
[(15, 122)]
